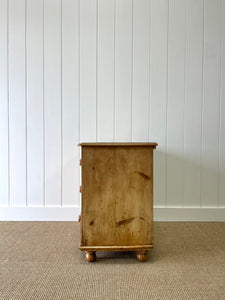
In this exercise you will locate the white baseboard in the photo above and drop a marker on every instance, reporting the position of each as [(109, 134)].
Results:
[(170, 214), (36, 213), (176, 214)]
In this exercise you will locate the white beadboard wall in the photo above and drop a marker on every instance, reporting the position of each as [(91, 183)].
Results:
[(111, 70)]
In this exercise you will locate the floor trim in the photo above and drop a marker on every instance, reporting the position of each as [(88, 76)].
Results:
[(194, 214), (36, 213), (71, 213)]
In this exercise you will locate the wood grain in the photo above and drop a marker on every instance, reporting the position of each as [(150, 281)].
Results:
[(116, 196)]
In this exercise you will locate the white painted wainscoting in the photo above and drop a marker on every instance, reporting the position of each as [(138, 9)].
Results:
[(111, 70)]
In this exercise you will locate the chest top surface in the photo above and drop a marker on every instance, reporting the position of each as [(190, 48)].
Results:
[(154, 145)]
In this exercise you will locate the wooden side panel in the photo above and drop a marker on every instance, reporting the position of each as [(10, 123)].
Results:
[(133, 196), (98, 201), (116, 196)]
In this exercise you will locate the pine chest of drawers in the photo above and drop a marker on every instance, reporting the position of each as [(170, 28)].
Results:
[(117, 198)]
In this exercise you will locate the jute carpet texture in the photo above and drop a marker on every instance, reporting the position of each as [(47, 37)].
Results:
[(41, 260)]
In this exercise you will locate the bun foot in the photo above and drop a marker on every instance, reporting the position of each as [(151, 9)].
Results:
[(90, 256), (142, 255)]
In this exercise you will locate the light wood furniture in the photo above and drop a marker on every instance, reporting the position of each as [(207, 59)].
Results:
[(117, 198)]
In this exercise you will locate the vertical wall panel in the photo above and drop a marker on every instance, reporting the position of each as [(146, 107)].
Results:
[(193, 103), (88, 70), (105, 80), (4, 184), (210, 113), (52, 101), (158, 95), (17, 103), (222, 115), (35, 151), (123, 70), (140, 84), (175, 112), (70, 102)]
